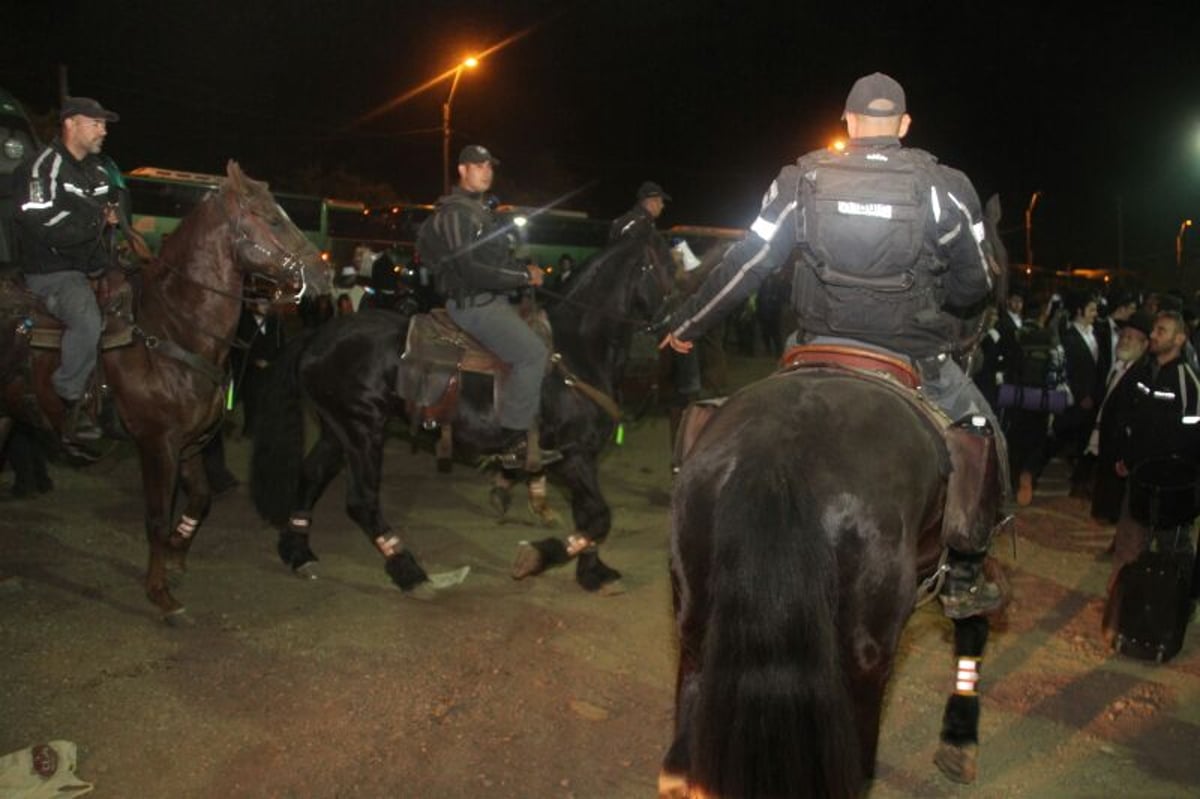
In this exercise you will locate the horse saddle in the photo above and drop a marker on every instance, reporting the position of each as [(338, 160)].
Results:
[(436, 354), (114, 295)]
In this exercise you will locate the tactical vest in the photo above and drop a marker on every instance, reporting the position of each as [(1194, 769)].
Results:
[(865, 269)]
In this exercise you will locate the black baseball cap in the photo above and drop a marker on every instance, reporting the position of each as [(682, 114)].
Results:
[(875, 95), (651, 189), (477, 154), (87, 107)]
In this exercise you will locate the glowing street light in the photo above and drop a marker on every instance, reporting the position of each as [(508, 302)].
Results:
[(1187, 223), (1029, 228), (468, 63)]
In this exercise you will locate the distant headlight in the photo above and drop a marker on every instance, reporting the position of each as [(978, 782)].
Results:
[(14, 149)]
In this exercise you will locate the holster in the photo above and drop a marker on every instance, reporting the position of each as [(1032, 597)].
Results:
[(973, 490)]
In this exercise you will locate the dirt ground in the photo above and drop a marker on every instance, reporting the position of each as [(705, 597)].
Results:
[(342, 687)]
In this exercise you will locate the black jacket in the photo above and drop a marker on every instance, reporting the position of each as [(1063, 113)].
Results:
[(636, 223), (954, 233), (60, 212), (1159, 411), (467, 249)]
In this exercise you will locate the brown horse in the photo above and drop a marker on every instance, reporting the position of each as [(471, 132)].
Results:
[(168, 382)]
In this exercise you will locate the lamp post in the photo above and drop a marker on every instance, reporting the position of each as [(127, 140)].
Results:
[(1184, 225), (469, 63), (1029, 228)]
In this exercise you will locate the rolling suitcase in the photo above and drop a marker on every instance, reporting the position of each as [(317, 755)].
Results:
[(1155, 604)]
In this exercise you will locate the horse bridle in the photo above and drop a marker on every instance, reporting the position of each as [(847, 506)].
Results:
[(291, 264), (649, 268)]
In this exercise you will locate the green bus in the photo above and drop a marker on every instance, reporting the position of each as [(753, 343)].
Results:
[(545, 235), (160, 198)]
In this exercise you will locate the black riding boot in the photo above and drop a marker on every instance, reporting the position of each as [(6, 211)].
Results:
[(966, 590)]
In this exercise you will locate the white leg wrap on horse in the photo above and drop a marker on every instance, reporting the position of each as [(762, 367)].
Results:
[(966, 677), (388, 546), (186, 527), (537, 487), (299, 522)]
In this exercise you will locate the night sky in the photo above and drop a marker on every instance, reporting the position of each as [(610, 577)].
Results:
[(1098, 110)]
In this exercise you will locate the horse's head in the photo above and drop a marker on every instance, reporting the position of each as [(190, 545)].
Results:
[(654, 280), (266, 243)]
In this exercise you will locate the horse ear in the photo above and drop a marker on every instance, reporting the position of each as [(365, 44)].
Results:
[(236, 177)]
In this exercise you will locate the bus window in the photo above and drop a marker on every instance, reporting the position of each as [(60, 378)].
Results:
[(544, 236), (160, 198)]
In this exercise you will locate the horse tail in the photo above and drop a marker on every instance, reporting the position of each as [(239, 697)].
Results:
[(774, 717), (277, 456)]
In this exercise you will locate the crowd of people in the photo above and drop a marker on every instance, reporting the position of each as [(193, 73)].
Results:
[(1106, 383)]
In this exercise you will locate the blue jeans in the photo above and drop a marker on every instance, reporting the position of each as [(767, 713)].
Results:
[(496, 325), (69, 297)]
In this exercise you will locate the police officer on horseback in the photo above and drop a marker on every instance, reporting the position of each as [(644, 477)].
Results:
[(888, 240), (67, 203), (466, 249), (638, 222)]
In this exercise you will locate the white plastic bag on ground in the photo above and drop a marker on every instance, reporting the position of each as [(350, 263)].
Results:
[(42, 771)]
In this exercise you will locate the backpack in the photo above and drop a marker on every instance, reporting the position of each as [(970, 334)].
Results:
[(861, 220), (1037, 357)]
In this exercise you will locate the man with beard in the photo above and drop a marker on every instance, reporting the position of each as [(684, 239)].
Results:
[(1109, 488), (1160, 398)]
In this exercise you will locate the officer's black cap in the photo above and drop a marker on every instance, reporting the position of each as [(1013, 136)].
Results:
[(876, 95), (651, 189), (86, 106), (477, 154)]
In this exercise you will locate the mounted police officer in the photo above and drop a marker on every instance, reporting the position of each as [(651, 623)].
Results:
[(466, 249), (888, 239), (638, 222), (67, 204)]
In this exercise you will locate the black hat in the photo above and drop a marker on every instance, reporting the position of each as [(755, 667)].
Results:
[(651, 189), (875, 95), (477, 154), (1140, 320), (87, 107)]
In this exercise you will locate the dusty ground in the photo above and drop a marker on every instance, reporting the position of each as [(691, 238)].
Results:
[(341, 687)]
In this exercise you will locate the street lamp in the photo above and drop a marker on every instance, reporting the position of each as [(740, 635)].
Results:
[(1029, 228), (469, 63), (1187, 223)]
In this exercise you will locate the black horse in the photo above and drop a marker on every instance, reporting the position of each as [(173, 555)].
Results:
[(805, 517), (354, 375)]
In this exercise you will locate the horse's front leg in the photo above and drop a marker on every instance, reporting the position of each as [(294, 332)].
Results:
[(194, 482), (159, 464), (364, 454), (957, 756), (322, 463)]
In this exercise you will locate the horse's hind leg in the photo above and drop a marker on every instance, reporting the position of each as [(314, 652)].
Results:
[(958, 753)]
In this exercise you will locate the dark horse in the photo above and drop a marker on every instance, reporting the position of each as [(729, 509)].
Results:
[(168, 380), (353, 371), (805, 516)]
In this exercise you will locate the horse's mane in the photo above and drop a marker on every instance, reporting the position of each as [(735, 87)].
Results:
[(176, 247), (605, 263)]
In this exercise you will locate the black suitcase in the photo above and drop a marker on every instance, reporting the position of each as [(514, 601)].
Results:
[(1155, 595)]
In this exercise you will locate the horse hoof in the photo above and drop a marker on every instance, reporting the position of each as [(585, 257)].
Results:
[(306, 571), (958, 763), (614, 588), (179, 618), (672, 786), (500, 500), (528, 561), (546, 517)]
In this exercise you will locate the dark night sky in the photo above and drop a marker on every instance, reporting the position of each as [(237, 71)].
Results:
[(1098, 110)]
